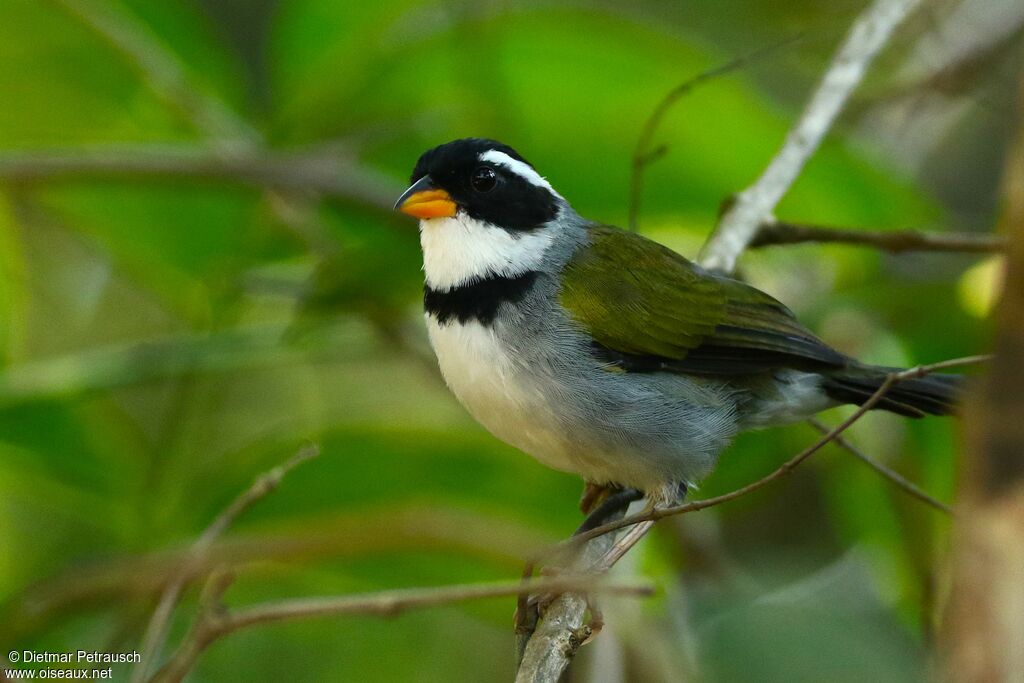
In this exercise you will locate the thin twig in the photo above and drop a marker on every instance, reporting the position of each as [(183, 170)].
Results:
[(216, 622), (371, 530), (772, 233), (391, 603), (786, 467), (895, 477), (753, 206), (644, 154), (156, 631)]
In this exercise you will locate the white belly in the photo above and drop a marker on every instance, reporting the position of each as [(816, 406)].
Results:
[(496, 391)]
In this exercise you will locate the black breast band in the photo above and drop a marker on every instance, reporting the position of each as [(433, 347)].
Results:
[(478, 300)]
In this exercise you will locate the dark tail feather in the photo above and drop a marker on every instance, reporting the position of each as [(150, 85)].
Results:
[(929, 395)]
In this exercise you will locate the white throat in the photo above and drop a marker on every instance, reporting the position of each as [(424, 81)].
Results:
[(461, 249)]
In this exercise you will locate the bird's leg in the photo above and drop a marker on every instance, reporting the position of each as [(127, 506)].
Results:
[(615, 500), (592, 496), (636, 532)]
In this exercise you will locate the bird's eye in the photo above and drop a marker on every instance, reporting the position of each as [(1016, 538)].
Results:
[(484, 179)]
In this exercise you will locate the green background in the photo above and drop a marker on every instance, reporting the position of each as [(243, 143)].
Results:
[(165, 340)]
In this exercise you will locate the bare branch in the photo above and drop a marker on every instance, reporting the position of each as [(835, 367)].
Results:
[(773, 232), (327, 173), (156, 631), (264, 485), (753, 206), (216, 622), (391, 603), (893, 476)]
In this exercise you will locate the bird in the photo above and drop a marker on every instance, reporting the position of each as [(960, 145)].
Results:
[(603, 353)]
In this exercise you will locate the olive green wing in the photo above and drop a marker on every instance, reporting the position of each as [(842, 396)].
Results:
[(648, 308)]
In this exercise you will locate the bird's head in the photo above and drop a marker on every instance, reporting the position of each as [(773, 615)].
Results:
[(482, 180)]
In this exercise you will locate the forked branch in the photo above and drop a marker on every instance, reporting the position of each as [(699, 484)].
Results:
[(756, 204), (896, 478)]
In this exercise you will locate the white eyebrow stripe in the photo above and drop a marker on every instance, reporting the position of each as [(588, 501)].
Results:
[(521, 169)]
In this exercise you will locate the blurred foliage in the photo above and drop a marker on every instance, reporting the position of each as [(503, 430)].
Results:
[(164, 340)]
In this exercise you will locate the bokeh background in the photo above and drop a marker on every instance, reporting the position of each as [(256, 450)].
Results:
[(199, 272)]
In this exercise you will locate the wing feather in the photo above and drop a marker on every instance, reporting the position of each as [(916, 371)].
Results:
[(648, 308)]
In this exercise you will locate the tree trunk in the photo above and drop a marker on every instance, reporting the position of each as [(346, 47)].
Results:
[(984, 623)]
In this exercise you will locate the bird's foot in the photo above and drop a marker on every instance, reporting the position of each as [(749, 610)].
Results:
[(595, 624)]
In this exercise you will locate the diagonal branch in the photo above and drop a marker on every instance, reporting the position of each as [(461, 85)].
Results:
[(755, 205), (163, 72), (156, 631), (895, 477), (545, 648)]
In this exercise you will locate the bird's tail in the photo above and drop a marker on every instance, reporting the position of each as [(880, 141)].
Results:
[(916, 397)]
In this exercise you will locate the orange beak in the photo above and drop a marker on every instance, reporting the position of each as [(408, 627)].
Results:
[(424, 200)]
